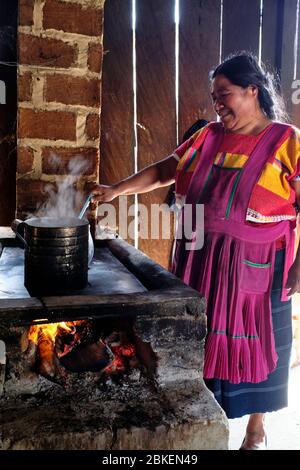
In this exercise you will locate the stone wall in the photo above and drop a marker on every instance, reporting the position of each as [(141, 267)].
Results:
[(59, 94)]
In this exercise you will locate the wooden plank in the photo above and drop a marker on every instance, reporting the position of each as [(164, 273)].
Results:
[(272, 29), (162, 303), (240, 26), (117, 136), (279, 30), (21, 311), (199, 47), (156, 109), (287, 58), (293, 102)]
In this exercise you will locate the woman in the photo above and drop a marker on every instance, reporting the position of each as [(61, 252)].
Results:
[(244, 169)]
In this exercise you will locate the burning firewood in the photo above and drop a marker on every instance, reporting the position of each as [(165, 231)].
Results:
[(64, 341), (39, 347), (29, 346), (88, 357), (54, 349), (47, 357), (149, 358), (123, 353)]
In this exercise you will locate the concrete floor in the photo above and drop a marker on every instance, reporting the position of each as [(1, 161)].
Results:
[(283, 427)]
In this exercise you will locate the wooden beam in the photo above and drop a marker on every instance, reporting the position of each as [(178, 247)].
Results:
[(199, 49), (157, 304), (156, 129), (241, 21), (272, 35), (292, 94), (287, 60), (117, 122)]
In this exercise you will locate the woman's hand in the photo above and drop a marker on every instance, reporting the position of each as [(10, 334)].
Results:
[(293, 282), (103, 193)]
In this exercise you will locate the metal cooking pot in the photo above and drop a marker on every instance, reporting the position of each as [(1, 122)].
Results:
[(56, 254)]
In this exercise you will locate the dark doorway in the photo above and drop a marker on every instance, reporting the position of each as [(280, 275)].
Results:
[(8, 109)]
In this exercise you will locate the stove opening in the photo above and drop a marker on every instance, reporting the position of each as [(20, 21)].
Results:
[(109, 348)]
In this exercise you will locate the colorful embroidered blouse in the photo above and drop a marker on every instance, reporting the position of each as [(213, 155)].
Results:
[(273, 197)]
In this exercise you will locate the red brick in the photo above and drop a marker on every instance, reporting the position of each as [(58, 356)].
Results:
[(26, 12), (24, 160), (92, 128), (31, 194), (72, 90), (95, 56), (34, 50), (60, 166), (72, 18), (25, 87), (46, 124)]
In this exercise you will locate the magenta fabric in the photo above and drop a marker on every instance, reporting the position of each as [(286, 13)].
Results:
[(234, 269)]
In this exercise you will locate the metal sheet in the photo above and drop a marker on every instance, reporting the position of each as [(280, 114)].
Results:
[(12, 274), (106, 275)]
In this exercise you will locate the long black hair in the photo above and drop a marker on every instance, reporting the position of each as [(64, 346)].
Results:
[(244, 70)]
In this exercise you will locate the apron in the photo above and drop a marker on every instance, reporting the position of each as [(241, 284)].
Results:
[(234, 269)]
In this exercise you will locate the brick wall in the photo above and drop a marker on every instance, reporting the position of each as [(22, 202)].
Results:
[(59, 93)]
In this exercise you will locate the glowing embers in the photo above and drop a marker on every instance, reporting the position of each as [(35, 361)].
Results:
[(110, 348)]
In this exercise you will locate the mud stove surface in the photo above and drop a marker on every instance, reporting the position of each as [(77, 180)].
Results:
[(155, 400)]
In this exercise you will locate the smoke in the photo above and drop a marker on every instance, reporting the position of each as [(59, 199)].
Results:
[(64, 200)]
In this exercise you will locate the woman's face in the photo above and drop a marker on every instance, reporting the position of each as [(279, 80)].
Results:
[(236, 106)]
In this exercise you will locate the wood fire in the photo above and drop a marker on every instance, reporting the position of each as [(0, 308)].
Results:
[(80, 346)]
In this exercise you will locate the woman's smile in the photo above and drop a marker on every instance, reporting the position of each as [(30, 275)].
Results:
[(224, 115)]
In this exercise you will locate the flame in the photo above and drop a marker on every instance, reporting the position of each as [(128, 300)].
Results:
[(50, 330), (50, 342)]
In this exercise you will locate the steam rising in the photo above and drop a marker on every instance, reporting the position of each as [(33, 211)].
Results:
[(64, 200)]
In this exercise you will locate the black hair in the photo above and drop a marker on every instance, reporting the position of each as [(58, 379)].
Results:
[(244, 70), (194, 128)]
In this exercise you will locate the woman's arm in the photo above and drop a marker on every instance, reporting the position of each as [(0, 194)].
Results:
[(293, 282), (154, 176)]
